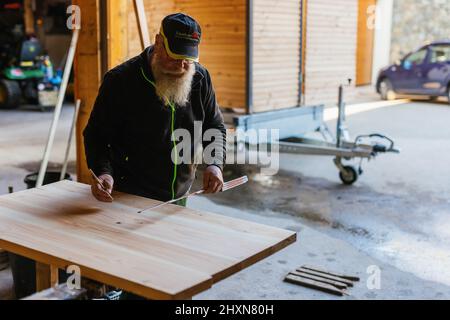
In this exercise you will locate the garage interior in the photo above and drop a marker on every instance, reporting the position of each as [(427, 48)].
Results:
[(384, 228)]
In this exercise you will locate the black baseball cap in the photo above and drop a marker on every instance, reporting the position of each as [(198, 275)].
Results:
[(181, 34)]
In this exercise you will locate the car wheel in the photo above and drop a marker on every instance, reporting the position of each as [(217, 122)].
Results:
[(448, 93), (386, 90)]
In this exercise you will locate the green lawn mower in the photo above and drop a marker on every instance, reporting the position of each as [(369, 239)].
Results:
[(31, 80), (26, 73)]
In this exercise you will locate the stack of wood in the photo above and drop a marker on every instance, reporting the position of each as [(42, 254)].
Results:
[(4, 261), (322, 280)]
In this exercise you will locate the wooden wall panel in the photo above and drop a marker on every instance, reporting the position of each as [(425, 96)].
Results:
[(364, 51), (276, 54), (155, 11), (117, 32), (330, 49), (222, 50)]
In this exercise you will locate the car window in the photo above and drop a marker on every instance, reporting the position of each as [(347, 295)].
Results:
[(440, 53), (417, 58)]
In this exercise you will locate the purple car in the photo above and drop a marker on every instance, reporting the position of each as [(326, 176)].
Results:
[(422, 72)]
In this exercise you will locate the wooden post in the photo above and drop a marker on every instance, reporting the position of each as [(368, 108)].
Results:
[(117, 12), (46, 276), (42, 276), (29, 17), (87, 75)]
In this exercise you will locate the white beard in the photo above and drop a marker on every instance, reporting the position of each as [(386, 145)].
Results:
[(176, 89)]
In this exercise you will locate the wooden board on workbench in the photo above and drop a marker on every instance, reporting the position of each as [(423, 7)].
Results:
[(168, 253)]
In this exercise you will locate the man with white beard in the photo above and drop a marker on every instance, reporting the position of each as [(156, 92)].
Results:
[(129, 138)]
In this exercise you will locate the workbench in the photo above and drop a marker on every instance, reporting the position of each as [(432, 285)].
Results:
[(168, 253)]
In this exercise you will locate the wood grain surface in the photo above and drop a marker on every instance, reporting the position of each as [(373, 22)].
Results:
[(168, 253)]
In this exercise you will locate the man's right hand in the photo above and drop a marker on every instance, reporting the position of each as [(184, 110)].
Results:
[(102, 192)]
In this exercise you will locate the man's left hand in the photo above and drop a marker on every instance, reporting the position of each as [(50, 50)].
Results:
[(212, 179)]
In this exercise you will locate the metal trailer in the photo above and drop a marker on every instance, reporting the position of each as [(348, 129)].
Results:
[(294, 123)]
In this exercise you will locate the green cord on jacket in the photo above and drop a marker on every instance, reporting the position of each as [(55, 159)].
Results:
[(172, 129)]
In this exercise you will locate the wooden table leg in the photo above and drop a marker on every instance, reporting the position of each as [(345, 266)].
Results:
[(46, 276), (54, 276)]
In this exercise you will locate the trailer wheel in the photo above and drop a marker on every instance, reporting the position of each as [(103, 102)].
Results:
[(350, 175), (10, 94)]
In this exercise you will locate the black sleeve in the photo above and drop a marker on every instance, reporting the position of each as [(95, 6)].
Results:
[(98, 132), (213, 120)]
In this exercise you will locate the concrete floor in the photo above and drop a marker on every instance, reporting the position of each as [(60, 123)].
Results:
[(23, 135), (396, 217)]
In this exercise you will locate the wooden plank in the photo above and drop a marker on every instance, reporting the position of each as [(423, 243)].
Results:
[(327, 272), (141, 19), (337, 284), (328, 288), (169, 253), (326, 276)]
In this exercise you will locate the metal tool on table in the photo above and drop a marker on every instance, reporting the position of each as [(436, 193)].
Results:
[(226, 186)]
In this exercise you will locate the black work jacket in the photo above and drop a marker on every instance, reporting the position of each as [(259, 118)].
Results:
[(129, 132)]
